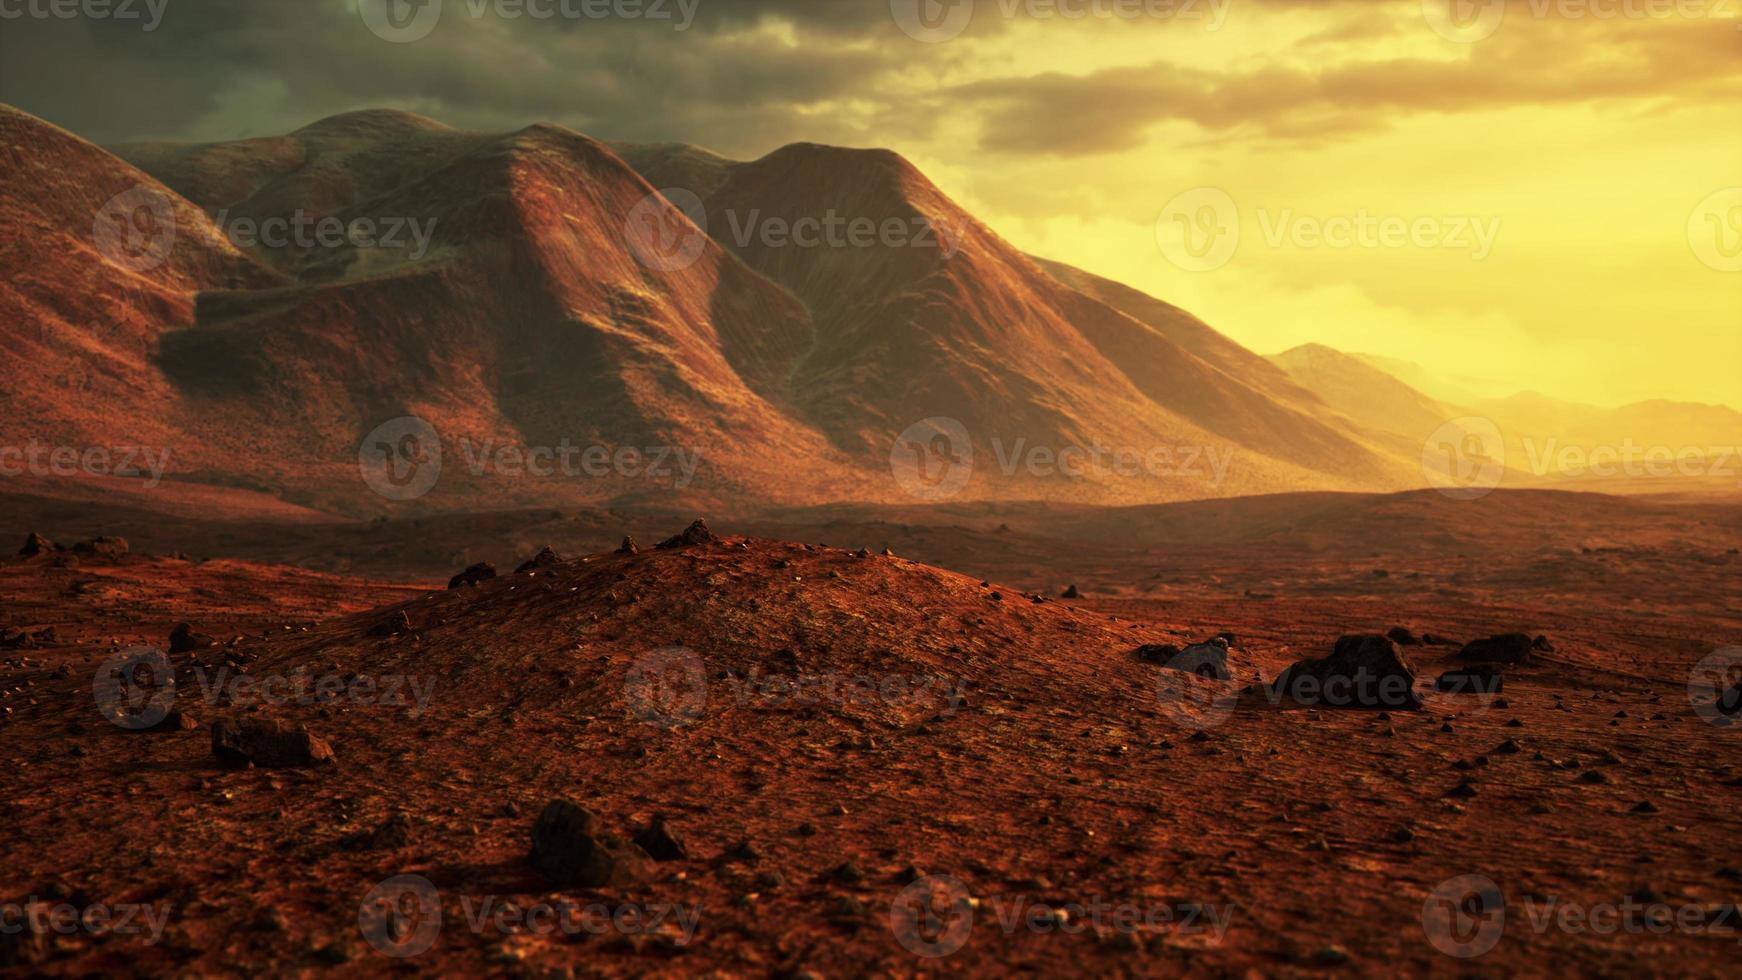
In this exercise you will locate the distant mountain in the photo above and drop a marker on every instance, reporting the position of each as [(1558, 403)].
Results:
[(542, 294)]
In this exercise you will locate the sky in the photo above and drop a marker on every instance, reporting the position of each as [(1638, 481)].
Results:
[(1545, 194)]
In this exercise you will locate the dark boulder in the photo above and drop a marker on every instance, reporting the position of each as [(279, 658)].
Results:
[(662, 842), (696, 533), (1361, 672), (567, 848), (1071, 592), (185, 639), (1542, 643), (102, 547), (1435, 640), (482, 572), (1208, 659), (1730, 702), (35, 545), (238, 742), (1503, 648), (1402, 637), (1480, 679), (544, 559), (392, 624), (1157, 653), (628, 547)]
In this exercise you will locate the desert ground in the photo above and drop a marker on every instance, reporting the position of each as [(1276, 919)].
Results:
[(876, 746)]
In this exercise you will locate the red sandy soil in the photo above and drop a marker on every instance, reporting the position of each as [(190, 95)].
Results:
[(1062, 776)]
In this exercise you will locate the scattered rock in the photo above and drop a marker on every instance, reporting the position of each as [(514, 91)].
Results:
[(237, 743), (1402, 637), (1363, 671), (35, 545), (661, 842), (183, 639), (1730, 703), (1508, 747), (848, 873), (1209, 660), (544, 559), (392, 625), (1542, 643), (1480, 679), (176, 721), (481, 572), (696, 533), (567, 848), (1435, 640), (1157, 653), (1504, 648), (103, 546), (393, 834), (1070, 592), (628, 547), (1646, 806), (1462, 791)]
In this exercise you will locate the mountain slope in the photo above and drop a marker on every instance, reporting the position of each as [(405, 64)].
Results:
[(549, 298)]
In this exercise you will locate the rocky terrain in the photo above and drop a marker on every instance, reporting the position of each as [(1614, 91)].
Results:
[(790, 759)]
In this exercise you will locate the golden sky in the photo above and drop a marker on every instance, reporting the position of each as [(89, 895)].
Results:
[(1537, 192)]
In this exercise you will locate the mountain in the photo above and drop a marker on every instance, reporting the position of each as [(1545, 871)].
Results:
[(1362, 392), (540, 293)]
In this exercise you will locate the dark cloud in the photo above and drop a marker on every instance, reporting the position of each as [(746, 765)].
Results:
[(825, 70)]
